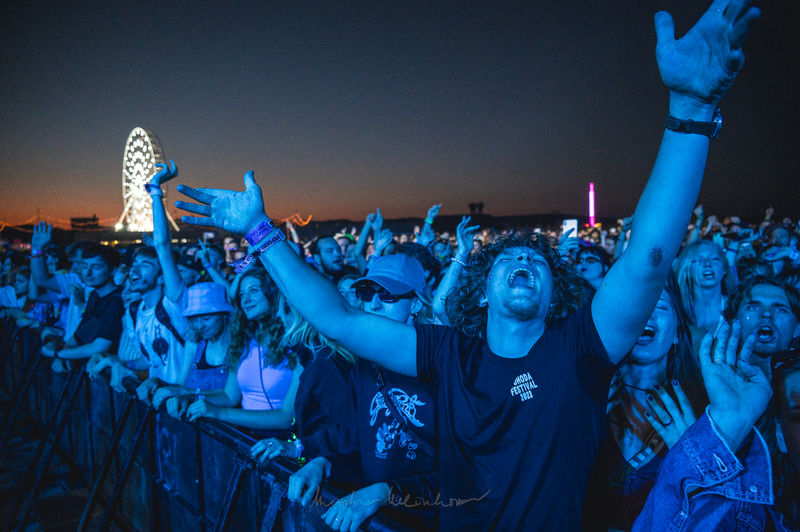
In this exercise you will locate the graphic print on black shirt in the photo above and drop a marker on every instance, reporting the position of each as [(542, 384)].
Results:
[(517, 437), (391, 431)]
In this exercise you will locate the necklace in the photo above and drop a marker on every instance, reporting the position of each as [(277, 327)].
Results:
[(625, 384)]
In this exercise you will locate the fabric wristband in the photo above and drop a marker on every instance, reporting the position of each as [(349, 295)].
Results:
[(241, 265), (429, 220), (260, 231), (36, 253), (153, 190)]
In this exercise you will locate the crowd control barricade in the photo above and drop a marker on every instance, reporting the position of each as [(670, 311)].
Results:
[(141, 469)]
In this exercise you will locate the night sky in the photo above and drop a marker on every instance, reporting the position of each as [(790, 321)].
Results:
[(342, 108)]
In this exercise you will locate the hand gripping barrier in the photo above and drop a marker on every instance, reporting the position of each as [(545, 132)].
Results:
[(142, 469)]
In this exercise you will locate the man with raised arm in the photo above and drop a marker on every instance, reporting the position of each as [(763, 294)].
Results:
[(159, 324), (523, 387)]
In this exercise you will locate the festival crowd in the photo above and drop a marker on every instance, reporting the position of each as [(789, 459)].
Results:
[(642, 376)]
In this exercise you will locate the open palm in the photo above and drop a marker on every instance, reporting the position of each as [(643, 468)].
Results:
[(229, 210), (705, 61)]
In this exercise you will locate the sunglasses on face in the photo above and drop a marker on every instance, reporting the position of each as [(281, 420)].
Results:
[(365, 292)]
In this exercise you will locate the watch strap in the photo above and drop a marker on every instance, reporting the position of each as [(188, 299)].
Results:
[(709, 129)]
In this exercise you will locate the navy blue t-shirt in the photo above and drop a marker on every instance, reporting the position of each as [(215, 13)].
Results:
[(102, 318), (517, 437)]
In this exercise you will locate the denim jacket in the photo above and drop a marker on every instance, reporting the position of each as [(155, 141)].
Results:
[(703, 485)]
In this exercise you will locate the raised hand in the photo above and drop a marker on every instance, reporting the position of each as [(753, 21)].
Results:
[(377, 222), (164, 174), (42, 234), (738, 390), (568, 245), (426, 236), (382, 240), (235, 212), (703, 63), (433, 212), (464, 237), (670, 418)]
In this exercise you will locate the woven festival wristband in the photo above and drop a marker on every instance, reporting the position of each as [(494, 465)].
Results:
[(241, 265), (36, 253), (260, 231), (153, 190)]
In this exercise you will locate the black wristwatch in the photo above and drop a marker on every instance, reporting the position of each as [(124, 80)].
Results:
[(709, 129)]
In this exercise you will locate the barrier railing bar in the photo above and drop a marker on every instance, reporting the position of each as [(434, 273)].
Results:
[(18, 399), (201, 494), (8, 345), (231, 494), (32, 387), (41, 457), (107, 461), (126, 469), (276, 495)]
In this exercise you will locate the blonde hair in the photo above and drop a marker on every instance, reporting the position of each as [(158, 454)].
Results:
[(683, 272), (297, 331)]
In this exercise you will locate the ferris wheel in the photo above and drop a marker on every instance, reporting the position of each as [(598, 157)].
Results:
[(142, 153)]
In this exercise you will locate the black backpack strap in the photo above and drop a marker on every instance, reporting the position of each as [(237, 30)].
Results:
[(424, 445), (163, 317), (133, 310)]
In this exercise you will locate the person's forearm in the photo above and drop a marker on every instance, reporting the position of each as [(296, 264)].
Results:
[(256, 419), (307, 291), (361, 241), (318, 301), (221, 398), (173, 284), (695, 233), (41, 277), (446, 286), (666, 204), (98, 345), (731, 426), (217, 276)]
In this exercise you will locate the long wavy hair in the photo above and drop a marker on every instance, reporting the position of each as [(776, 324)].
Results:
[(267, 331), (462, 305), (299, 332), (681, 360)]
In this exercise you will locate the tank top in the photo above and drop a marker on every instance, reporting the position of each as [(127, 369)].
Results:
[(263, 387)]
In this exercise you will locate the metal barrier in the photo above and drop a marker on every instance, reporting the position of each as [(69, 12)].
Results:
[(144, 469)]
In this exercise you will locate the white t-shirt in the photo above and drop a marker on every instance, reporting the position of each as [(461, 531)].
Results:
[(8, 298), (152, 334), (73, 310)]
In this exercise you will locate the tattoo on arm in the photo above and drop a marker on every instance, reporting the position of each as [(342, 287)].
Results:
[(656, 256)]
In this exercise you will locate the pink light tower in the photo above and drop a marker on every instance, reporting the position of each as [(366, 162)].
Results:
[(591, 204)]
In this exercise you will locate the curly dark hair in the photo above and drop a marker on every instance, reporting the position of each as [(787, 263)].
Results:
[(462, 304), (745, 289), (267, 331)]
